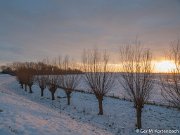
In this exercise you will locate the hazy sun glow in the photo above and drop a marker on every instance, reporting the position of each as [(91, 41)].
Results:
[(164, 66)]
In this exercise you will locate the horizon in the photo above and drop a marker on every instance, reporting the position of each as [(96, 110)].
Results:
[(158, 67)]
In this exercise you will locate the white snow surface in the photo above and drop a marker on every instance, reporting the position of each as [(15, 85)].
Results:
[(118, 90), (22, 113)]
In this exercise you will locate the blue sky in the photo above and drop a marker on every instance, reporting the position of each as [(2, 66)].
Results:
[(31, 30)]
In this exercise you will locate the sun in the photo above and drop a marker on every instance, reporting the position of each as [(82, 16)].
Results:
[(164, 66)]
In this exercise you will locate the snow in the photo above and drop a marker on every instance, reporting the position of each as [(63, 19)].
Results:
[(23, 116), (120, 92), (29, 114)]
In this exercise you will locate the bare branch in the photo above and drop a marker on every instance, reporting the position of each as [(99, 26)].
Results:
[(137, 75), (97, 75)]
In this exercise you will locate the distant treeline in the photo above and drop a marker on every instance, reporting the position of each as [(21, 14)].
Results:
[(7, 70), (38, 68)]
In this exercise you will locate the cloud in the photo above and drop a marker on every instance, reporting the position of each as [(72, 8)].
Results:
[(32, 30)]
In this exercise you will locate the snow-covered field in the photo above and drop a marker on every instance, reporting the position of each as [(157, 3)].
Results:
[(22, 113), (118, 90)]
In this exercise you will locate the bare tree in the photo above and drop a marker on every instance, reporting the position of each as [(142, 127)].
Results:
[(29, 70), (19, 74), (68, 81), (41, 80), (171, 82), (23, 74), (52, 84), (97, 75), (30, 79), (66, 62), (137, 75)]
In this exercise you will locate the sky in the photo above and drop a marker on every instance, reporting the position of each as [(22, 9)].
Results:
[(31, 30)]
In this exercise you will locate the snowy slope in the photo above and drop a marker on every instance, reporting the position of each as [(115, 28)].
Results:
[(30, 114), (24, 117)]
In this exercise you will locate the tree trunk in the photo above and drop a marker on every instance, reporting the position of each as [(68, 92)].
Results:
[(52, 94), (21, 85), (25, 87), (138, 113), (100, 106), (68, 98), (30, 89), (42, 92)]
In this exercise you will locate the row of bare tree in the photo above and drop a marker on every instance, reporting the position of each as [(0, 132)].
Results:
[(137, 76), (25, 74), (66, 82), (65, 78)]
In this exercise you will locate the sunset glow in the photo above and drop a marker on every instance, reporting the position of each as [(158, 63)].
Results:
[(164, 66)]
